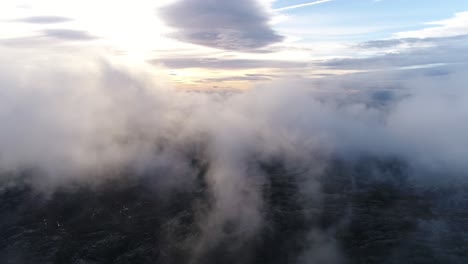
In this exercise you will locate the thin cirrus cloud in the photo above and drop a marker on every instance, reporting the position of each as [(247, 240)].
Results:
[(393, 43), (242, 25), (302, 5)]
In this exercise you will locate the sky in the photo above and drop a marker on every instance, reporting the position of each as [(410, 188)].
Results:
[(212, 44)]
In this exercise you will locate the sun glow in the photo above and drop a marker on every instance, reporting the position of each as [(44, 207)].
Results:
[(131, 30)]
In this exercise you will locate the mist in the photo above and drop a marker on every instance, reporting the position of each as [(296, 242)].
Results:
[(68, 121)]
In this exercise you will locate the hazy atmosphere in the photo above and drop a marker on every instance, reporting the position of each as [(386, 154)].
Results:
[(244, 131)]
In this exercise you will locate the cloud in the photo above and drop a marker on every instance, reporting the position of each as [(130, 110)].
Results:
[(27, 42), (69, 119), (80, 120), (44, 19), (231, 25), (68, 34), (392, 43), (227, 64), (457, 25), (440, 51), (48, 38), (249, 78), (302, 5)]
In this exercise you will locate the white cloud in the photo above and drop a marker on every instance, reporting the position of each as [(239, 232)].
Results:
[(457, 25)]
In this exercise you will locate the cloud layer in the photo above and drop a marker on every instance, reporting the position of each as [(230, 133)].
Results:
[(226, 64), (446, 50), (84, 120)]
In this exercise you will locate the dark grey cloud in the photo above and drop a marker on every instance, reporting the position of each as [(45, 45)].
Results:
[(231, 25), (227, 64), (44, 19), (68, 34)]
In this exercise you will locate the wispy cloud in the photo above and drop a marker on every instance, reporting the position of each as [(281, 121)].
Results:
[(227, 64), (456, 25), (68, 34), (302, 5), (44, 19)]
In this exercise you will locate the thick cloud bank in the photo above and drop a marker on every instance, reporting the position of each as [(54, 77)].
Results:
[(85, 121)]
